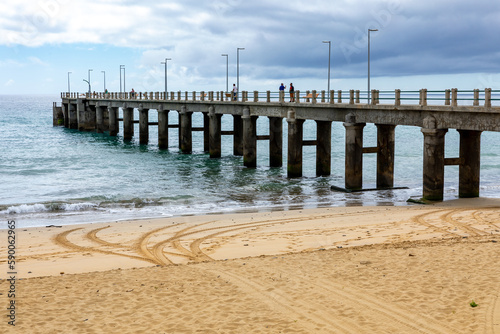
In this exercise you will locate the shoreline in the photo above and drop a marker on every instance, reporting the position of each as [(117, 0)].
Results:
[(343, 269)]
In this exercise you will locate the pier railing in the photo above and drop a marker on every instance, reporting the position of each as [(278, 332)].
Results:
[(449, 97)]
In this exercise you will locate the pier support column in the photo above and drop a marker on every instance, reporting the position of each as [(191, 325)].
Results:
[(206, 132), (65, 110), (163, 129), (249, 138), (323, 148), (295, 139), (113, 121), (72, 116), (354, 155), (86, 116), (470, 156), (385, 155), (433, 171), (275, 141), (215, 133), (143, 126), (238, 135), (186, 144), (128, 123), (100, 119)]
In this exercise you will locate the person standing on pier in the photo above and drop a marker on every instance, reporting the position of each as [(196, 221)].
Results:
[(282, 92), (292, 93), (235, 92)]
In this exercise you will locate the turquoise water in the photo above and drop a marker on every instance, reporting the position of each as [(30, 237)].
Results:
[(53, 175)]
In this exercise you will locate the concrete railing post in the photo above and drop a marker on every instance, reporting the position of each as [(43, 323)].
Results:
[(332, 96), (307, 95), (268, 96), (297, 96), (447, 99), (314, 97), (351, 96), (339, 96), (476, 98), (454, 97), (487, 97), (397, 97), (255, 96), (374, 97), (323, 96)]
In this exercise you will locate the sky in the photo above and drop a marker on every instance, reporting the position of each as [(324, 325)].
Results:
[(433, 44)]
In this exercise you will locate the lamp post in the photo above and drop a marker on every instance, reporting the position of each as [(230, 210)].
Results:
[(165, 62), (122, 67), (104, 72), (227, 68), (369, 30), (90, 92), (329, 56), (69, 87), (238, 72)]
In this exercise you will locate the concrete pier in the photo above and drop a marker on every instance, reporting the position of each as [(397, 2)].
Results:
[(275, 141), (353, 155), (128, 123), (323, 148), (295, 139), (470, 158), (99, 112), (385, 155), (215, 133), (434, 162), (143, 126), (113, 121), (186, 143), (249, 139), (163, 128)]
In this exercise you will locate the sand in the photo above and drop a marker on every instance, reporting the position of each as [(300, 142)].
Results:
[(410, 269)]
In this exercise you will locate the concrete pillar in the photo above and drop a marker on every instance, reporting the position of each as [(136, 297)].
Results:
[(186, 143), (128, 123), (163, 129), (113, 121), (206, 132), (65, 110), (73, 116), (238, 135), (215, 133), (295, 138), (86, 117), (354, 155), (385, 155), (470, 156), (323, 148), (275, 141), (249, 138), (100, 119), (143, 126), (433, 171)]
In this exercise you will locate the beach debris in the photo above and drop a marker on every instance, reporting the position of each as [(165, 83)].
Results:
[(411, 254), (62, 273), (58, 226), (365, 262), (473, 304)]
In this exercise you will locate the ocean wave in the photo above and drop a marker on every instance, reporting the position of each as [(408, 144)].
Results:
[(48, 207)]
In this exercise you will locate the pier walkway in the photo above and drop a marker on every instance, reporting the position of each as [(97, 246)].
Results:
[(470, 112)]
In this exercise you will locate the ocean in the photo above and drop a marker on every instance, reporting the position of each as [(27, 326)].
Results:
[(56, 176)]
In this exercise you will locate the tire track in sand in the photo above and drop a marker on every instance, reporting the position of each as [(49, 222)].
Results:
[(294, 309), (62, 240)]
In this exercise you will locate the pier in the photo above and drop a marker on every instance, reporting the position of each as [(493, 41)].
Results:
[(470, 116)]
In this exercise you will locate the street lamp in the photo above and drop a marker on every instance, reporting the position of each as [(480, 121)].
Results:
[(165, 62), (90, 91), (122, 67), (104, 79), (69, 88), (329, 56), (369, 30), (227, 67), (238, 72)]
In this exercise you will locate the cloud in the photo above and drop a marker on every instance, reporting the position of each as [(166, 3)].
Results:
[(9, 83)]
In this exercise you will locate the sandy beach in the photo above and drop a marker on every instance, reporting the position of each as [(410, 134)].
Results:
[(385, 269)]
